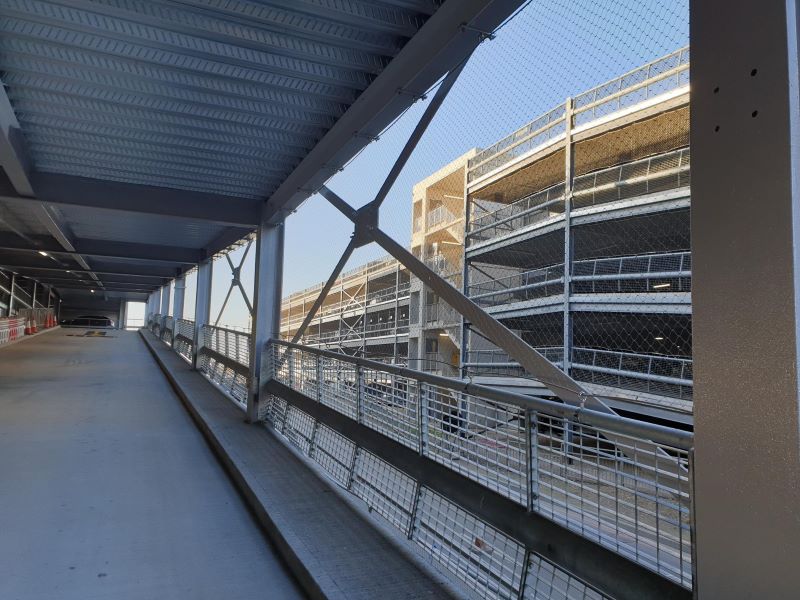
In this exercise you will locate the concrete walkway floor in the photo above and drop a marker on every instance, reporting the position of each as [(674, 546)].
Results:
[(107, 488)]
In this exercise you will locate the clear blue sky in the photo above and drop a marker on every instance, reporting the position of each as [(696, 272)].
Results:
[(551, 50)]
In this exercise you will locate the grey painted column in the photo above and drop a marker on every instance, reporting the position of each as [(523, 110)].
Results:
[(202, 306), (165, 300), (266, 303), (177, 301), (745, 215), (11, 298), (123, 310)]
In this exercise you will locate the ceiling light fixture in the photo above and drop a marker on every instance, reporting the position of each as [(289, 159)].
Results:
[(659, 286), (42, 252)]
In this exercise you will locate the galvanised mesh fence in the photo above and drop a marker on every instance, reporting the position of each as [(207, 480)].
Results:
[(624, 488)]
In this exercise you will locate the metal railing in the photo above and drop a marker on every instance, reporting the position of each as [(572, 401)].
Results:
[(535, 208), (621, 483), (386, 328), (440, 214), (646, 373), (441, 313), (224, 357), (495, 356), (662, 76), (539, 132), (658, 77), (387, 294), (167, 330), (183, 341), (666, 272), (441, 265), (538, 283), (646, 273), (659, 173)]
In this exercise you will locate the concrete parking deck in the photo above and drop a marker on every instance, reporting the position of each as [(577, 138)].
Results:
[(107, 488)]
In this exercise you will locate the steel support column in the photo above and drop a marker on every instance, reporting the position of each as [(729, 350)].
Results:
[(177, 300), (569, 174), (266, 302), (123, 314), (11, 297), (202, 306), (165, 292), (745, 220)]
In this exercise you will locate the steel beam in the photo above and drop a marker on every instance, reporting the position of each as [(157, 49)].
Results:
[(127, 271), (71, 190), (266, 302), (745, 221), (419, 130), (202, 307), (104, 249), (14, 158), (448, 37), (325, 289)]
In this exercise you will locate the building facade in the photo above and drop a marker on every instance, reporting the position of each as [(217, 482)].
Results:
[(573, 231)]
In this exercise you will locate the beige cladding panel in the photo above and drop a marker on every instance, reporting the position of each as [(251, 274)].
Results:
[(664, 132), (541, 174)]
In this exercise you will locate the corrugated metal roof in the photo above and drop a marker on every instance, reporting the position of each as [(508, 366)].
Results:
[(222, 96), (147, 125)]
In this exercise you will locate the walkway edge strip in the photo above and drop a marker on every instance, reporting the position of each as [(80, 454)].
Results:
[(313, 576), (311, 584)]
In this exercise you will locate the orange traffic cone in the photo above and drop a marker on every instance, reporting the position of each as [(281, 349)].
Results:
[(33, 325), (28, 327), (48, 321)]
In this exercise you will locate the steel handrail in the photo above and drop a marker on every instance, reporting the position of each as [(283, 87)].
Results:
[(659, 434)]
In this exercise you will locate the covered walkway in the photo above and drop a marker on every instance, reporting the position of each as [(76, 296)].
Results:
[(107, 488)]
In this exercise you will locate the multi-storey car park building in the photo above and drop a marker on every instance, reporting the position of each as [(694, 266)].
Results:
[(437, 238), (577, 238), (365, 313)]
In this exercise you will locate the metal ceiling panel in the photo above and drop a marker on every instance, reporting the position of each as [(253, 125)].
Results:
[(170, 122)]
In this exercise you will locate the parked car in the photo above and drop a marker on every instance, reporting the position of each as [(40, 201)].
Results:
[(88, 321)]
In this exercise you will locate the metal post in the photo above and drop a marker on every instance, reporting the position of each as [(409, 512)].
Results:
[(569, 174), (745, 221), (177, 301), (202, 307), (11, 299), (33, 296), (266, 302)]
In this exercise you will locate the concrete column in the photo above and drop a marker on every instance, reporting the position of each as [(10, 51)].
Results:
[(202, 306), (177, 301), (266, 303), (164, 306), (745, 215)]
